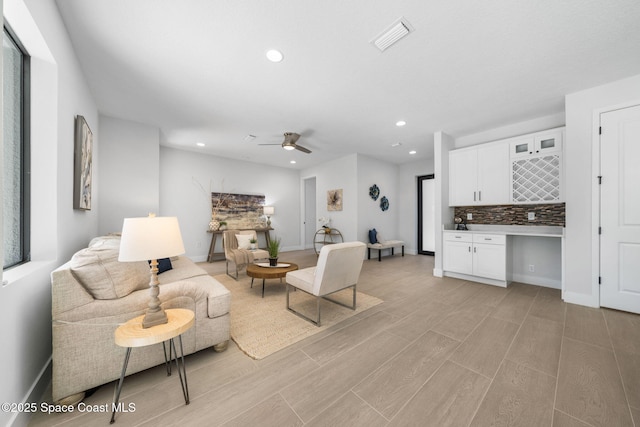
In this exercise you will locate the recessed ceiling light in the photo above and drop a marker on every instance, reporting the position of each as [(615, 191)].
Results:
[(412, 152), (400, 123), (293, 162), (274, 55), (200, 144)]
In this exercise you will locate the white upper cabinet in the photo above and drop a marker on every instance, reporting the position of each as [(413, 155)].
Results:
[(519, 170), (479, 175), (536, 144)]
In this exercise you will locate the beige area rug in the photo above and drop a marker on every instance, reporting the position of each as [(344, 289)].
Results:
[(262, 326)]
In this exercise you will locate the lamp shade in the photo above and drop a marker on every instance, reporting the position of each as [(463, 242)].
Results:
[(150, 238), (269, 210)]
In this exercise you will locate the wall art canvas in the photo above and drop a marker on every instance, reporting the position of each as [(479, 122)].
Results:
[(83, 165), (334, 200), (239, 211)]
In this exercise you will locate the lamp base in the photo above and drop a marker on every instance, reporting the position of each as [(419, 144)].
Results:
[(154, 318)]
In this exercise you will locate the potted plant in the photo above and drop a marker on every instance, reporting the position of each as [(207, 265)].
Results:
[(253, 243), (223, 225), (273, 248)]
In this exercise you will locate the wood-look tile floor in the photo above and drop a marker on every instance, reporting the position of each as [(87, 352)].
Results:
[(437, 352)]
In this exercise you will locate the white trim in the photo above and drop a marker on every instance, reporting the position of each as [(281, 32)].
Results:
[(437, 272), (581, 299), (34, 394), (486, 281), (538, 281)]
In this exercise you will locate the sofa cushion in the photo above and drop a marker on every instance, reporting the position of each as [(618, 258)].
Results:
[(97, 268)]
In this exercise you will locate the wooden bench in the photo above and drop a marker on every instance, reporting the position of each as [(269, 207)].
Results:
[(380, 246)]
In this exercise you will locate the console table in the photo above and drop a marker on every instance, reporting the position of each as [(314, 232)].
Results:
[(219, 256)]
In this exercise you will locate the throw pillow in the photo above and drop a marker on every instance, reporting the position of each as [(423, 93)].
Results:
[(104, 277), (373, 236), (164, 264), (244, 240)]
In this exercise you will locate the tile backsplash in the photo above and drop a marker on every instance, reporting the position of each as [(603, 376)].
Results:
[(550, 214)]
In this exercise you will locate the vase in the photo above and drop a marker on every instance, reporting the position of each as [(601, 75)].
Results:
[(214, 225), (273, 262), (253, 246)]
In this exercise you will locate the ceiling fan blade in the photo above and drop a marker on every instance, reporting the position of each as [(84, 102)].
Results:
[(304, 150), (269, 144)]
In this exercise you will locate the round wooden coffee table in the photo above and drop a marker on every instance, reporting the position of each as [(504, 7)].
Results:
[(264, 271)]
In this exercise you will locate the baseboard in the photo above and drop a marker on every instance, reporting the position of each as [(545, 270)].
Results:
[(536, 280), (580, 299), (437, 272), (486, 281), (34, 395)]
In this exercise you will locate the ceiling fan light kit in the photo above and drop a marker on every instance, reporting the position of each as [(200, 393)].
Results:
[(289, 143)]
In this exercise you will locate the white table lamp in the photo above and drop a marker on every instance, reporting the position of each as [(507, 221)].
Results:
[(149, 239), (268, 211)]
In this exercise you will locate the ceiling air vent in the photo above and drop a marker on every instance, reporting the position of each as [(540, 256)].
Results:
[(391, 35)]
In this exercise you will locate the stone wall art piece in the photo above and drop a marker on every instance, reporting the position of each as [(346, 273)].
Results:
[(82, 165), (334, 200), (239, 211)]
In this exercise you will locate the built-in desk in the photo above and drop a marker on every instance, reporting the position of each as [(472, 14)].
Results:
[(219, 256), (499, 254)]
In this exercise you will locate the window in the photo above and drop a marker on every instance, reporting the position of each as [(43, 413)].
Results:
[(16, 158)]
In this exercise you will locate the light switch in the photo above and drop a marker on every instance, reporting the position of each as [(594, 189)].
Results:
[(531, 216)]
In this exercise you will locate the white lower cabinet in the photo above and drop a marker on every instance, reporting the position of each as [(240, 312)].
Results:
[(481, 256)]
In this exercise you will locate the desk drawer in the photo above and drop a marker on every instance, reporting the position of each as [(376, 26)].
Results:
[(463, 236), (495, 239)]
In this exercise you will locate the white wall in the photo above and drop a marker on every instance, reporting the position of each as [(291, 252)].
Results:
[(582, 109), (339, 173), (59, 93), (442, 144), (130, 164), (188, 178), (408, 199), (385, 176)]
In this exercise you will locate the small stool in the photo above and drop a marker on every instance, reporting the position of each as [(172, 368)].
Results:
[(132, 334)]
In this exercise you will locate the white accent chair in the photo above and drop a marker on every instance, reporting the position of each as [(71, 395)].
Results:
[(338, 268), (238, 255)]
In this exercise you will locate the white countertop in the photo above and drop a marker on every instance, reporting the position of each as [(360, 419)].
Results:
[(511, 230)]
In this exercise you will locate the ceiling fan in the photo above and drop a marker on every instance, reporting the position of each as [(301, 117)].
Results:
[(289, 143)]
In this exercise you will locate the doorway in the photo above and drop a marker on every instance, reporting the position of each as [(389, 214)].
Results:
[(426, 215), (620, 209)]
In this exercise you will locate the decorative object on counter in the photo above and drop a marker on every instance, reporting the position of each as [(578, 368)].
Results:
[(384, 203), (214, 225), (83, 165), (334, 200), (552, 214), (151, 238), (274, 248), (460, 225), (268, 211), (374, 192)]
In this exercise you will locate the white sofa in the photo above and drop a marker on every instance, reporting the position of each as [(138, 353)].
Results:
[(93, 293)]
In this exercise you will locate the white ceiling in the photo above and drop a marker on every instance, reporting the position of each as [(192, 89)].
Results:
[(197, 69)]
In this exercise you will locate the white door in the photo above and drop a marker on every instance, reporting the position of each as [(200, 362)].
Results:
[(620, 209)]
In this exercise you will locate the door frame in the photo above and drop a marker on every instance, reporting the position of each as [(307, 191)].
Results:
[(420, 179), (595, 199)]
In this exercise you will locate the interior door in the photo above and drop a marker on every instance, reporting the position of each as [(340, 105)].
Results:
[(620, 209)]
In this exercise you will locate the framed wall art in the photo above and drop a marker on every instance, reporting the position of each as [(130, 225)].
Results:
[(334, 200), (82, 165)]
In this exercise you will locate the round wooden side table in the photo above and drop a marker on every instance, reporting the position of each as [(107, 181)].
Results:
[(132, 334), (264, 271)]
